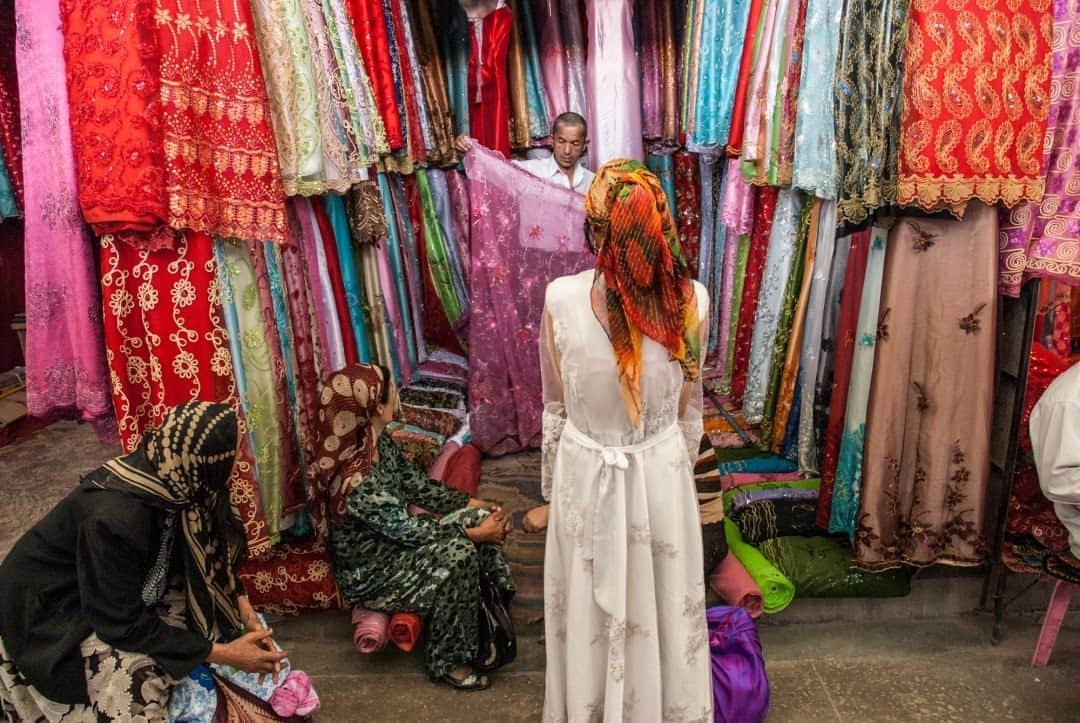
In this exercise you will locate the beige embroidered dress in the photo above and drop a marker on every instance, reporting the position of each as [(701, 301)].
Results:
[(624, 596)]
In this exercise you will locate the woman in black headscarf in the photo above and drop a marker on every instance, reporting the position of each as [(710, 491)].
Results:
[(82, 594)]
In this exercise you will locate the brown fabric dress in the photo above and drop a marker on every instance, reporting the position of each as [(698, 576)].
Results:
[(927, 457)]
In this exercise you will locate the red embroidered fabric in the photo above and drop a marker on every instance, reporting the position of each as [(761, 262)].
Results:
[(10, 138), (976, 102), (688, 206), (764, 210), (165, 343), (111, 55), (221, 165)]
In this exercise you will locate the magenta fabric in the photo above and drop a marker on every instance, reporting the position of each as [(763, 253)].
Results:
[(65, 343), (651, 93), (1043, 239), (371, 630), (737, 200), (742, 479), (322, 295), (438, 468), (458, 186), (393, 312), (525, 233), (740, 683), (306, 347), (295, 696)]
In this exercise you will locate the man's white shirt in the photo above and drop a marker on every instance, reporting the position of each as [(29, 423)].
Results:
[(549, 170)]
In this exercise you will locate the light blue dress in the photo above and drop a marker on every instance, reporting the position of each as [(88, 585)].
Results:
[(720, 56), (815, 139), (845, 500)]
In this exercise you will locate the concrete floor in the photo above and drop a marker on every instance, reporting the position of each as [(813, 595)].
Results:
[(926, 657)]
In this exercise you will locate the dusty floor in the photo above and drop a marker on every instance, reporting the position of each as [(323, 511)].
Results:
[(922, 658)]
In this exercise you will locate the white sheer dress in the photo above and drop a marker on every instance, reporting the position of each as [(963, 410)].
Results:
[(624, 593)]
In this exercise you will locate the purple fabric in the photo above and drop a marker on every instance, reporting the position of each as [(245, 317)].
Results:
[(525, 233), (651, 102), (459, 209), (737, 202), (393, 311), (333, 354), (740, 684), (66, 372), (1040, 239)]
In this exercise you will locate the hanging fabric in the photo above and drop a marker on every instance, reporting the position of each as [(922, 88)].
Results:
[(975, 102), (66, 370), (927, 454)]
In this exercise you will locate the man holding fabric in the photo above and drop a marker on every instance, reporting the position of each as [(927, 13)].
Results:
[(569, 142)]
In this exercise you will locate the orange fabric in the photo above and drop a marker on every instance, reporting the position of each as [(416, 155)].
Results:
[(976, 99), (643, 281), (405, 630)]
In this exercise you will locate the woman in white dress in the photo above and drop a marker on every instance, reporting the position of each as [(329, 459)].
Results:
[(620, 354)]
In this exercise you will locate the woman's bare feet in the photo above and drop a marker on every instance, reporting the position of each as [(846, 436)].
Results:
[(536, 519)]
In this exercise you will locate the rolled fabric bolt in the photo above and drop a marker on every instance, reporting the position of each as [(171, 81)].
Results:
[(733, 584), (405, 630), (295, 696), (371, 630)]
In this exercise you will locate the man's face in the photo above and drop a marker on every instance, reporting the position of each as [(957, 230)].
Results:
[(569, 145)]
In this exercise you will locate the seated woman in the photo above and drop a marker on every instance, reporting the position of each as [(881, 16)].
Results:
[(387, 559), (82, 594)]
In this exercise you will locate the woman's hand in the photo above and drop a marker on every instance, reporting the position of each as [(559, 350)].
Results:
[(249, 654), (492, 529), (462, 143), (483, 505)]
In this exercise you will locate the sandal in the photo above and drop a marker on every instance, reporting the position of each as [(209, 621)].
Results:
[(472, 681)]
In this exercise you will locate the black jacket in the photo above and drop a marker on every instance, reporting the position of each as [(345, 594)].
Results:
[(81, 570)]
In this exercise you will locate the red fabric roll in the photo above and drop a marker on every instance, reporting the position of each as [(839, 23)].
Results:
[(463, 470), (405, 630), (738, 113), (850, 300), (733, 583)]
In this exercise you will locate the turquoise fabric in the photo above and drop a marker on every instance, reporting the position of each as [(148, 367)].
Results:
[(354, 292)]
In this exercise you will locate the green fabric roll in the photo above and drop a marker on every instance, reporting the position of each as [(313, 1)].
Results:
[(438, 257), (821, 567), (777, 591)]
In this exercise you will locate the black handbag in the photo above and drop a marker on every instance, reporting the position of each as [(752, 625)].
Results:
[(497, 643)]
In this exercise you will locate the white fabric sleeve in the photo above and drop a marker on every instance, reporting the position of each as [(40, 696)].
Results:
[(554, 416), (691, 401), (1055, 443)]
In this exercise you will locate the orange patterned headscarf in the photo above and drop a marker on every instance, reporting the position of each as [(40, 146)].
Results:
[(349, 399), (643, 285)]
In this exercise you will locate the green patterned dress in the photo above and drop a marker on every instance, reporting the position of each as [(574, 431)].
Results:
[(389, 560)]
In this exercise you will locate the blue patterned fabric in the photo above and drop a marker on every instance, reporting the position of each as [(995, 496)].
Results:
[(354, 293), (845, 500), (815, 134), (720, 57)]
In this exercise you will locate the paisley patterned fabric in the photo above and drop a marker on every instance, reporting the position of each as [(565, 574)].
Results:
[(976, 99)]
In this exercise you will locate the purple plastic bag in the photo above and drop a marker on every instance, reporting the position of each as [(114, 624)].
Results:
[(740, 685)]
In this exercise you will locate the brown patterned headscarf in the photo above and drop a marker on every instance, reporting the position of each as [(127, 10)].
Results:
[(345, 450), (643, 285)]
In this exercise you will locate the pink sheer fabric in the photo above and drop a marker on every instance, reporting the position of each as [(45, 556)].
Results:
[(525, 233), (65, 347)]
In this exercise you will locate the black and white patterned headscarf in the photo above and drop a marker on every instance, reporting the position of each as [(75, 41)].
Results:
[(184, 465)]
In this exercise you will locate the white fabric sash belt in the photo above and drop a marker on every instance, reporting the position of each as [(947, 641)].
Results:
[(605, 532)]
